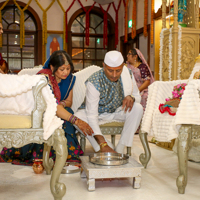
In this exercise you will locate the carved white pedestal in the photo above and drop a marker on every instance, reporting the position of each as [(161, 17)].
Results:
[(92, 172)]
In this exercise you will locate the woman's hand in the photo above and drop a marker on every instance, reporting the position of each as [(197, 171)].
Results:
[(144, 85), (84, 127), (62, 103)]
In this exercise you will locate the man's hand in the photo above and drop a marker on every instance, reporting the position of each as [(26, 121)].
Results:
[(128, 103)]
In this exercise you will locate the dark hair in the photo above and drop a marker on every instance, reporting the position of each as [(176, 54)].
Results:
[(58, 59), (134, 52)]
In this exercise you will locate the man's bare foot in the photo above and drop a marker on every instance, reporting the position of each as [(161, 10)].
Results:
[(107, 149), (100, 140)]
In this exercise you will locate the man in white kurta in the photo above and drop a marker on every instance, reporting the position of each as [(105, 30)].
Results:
[(112, 94)]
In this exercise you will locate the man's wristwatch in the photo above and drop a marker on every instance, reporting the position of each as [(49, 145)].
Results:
[(132, 97)]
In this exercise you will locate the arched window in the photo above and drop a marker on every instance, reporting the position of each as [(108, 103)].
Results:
[(82, 54), (16, 57)]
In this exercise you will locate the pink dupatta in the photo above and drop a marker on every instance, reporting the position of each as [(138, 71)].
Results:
[(145, 62)]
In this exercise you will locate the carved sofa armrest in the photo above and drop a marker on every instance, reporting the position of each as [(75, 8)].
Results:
[(39, 104)]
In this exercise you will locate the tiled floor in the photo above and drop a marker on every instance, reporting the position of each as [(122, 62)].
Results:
[(158, 181)]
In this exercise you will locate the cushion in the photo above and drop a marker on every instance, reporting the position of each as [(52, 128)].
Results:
[(117, 124), (15, 121), (79, 89), (30, 71)]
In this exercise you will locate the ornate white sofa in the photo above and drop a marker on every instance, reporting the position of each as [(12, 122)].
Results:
[(26, 116), (184, 125)]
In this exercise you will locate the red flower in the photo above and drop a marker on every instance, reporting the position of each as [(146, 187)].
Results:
[(76, 152), (34, 154)]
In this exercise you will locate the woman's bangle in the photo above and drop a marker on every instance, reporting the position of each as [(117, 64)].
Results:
[(73, 119), (63, 103), (70, 118)]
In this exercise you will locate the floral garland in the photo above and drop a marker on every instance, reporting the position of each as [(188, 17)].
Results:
[(2, 7), (44, 29), (177, 91), (105, 27), (179, 51), (22, 29), (152, 22), (66, 21), (116, 22), (145, 18), (161, 52), (64, 24), (87, 28), (134, 18), (126, 21), (170, 54)]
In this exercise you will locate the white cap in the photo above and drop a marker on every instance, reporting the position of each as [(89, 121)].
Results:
[(113, 59)]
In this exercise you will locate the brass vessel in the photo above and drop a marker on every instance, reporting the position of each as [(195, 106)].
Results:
[(38, 166)]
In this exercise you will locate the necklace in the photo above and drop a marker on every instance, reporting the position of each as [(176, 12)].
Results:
[(137, 64), (58, 80)]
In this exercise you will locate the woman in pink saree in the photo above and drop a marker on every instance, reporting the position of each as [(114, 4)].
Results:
[(141, 72)]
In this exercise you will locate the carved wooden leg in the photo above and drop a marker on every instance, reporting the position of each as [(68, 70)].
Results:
[(82, 173), (82, 142), (183, 147), (129, 151), (113, 140), (136, 182), (91, 184), (47, 162), (144, 157), (60, 146)]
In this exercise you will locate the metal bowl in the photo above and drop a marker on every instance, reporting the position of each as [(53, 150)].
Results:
[(71, 167), (109, 158)]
